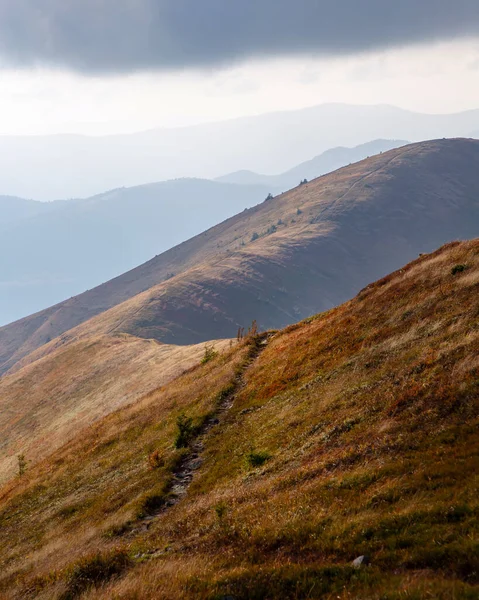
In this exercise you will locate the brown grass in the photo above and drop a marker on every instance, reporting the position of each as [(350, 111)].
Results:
[(49, 401), (354, 225), (369, 415)]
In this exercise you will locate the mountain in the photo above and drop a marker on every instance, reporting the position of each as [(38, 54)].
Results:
[(267, 470), (62, 166), (108, 234), (66, 247), (302, 252), (328, 161), (12, 209)]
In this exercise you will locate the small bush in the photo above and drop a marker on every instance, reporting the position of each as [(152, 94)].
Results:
[(458, 269), (257, 459), (210, 354), (155, 460), (22, 464), (68, 511), (269, 197), (185, 431), (150, 503), (299, 212), (221, 509), (117, 530), (93, 570), (255, 236)]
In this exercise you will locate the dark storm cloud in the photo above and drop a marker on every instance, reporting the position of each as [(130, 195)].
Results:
[(129, 35)]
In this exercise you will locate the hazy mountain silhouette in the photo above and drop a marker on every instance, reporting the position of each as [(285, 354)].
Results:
[(61, 166), (302, 252), (59, 249), (52, 251), (328, 161)]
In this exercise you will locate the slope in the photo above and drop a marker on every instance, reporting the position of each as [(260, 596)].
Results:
[(46, 403), (67, 247), (352, 433), (304, 251)]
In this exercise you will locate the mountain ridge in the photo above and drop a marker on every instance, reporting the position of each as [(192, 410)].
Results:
[(328, 161), (336, 234), (355, 430), (268, 143)]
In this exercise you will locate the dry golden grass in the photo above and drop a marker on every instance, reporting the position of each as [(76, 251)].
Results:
[(46, 403), (366, 419), (317, 245)]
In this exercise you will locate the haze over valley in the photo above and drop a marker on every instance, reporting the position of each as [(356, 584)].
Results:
[(239, 300)]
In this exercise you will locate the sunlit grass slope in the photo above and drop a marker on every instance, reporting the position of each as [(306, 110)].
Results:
[(46, 403), (353, 433)]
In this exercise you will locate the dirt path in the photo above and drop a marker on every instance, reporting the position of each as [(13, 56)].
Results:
[(185, 471)]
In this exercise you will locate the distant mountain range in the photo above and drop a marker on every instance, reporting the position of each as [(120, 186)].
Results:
[(54, 250), (324, 163), (289, 257), (62, 166)]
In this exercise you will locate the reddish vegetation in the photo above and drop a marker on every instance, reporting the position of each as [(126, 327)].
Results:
[(354, 432)]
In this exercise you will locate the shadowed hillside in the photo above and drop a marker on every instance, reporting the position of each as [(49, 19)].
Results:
[(265, 471), (59, 249), (304, 251)]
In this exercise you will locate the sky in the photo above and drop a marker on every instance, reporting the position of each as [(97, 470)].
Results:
[(109, 66)]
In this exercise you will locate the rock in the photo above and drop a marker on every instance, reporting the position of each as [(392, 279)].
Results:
[(360, 561)]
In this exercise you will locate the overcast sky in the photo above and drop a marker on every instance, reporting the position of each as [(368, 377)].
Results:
[(105, 66)]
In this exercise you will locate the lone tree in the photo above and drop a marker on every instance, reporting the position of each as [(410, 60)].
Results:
[(269, 196)]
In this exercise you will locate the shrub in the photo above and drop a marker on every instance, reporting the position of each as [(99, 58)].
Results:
[(185, 431), (299, 212), (257, 459), (253, 330), (458, 269), (271, 229), (155, 460), (209, 354), (151, 503), (269, 197), (220, 509), (93, 570), (22, 464), (255, 236)]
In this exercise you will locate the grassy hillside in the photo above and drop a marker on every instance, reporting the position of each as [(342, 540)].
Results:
[(48, 259), (352, 433), (299, 253), (49, 401)]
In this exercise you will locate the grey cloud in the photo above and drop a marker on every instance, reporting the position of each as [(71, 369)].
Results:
[(130, 35)]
